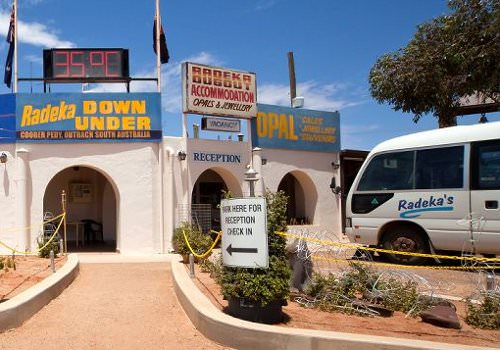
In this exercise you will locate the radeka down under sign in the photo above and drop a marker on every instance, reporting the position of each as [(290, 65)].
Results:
[(244, 232)]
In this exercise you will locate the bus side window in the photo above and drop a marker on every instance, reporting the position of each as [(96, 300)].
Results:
[(489, 166), (439, 168), (388, 171)]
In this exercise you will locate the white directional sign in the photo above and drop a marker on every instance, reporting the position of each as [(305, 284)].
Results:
[(244, 232)]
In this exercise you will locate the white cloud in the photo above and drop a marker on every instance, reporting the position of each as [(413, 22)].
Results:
[(265, 4), (316, 96), (34, 33)]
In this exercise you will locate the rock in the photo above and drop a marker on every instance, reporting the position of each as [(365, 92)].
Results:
[(442, 316)]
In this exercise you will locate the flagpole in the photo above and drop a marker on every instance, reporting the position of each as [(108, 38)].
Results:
[(158, 54), (15, 46)]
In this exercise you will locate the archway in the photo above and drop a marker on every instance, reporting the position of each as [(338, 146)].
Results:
[(91, 208), (302, 198), (207, 193)]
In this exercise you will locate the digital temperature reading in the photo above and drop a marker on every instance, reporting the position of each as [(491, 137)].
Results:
[(85, 65)]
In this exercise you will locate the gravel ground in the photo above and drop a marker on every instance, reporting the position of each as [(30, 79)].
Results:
[(112, 306)]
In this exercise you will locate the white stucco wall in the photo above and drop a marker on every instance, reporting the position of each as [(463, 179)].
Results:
[(132, 169), (314, 172), (136, 173)]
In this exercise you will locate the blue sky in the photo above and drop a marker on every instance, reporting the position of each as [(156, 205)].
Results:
[(335, 43)]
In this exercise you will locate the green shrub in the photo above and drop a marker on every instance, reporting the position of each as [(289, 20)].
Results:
[(359, 283), (485, 315), (263, 285), (199, 241), (44, 252)]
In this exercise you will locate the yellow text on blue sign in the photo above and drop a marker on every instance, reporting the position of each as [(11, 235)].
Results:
[(97, 115)]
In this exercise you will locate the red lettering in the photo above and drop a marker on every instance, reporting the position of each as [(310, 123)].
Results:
[(207, 76), (97, 63), (196, 74), (61, 65), (112, 64), (247, 79), (217, 78)]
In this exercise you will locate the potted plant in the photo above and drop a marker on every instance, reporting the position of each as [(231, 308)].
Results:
[(258, 294), (200, 242)]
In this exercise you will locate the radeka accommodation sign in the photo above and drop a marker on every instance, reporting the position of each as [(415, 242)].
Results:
[(296, 129), (112, 117), (218, 91)]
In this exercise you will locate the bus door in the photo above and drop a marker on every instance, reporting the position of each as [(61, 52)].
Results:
[(485, 196)]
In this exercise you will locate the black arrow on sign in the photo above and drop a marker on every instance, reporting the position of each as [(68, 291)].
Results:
[(232, 250)]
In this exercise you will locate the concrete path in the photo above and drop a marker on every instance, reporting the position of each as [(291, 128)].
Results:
[(115, 303)]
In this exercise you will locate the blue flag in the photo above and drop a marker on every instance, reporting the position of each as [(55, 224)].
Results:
[(7, 79)]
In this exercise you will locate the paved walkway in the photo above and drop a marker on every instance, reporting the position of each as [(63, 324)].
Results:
[(114, 303)]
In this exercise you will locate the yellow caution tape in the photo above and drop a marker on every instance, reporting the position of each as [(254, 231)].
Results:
[(17, 229), (377, 264), (387, 251), (46, 244), (204, 255)]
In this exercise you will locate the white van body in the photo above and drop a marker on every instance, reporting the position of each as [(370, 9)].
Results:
[(437, 190)]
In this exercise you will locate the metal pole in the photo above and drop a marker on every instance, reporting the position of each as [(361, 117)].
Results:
[(16, 29), (52, 264), (63, 203), (157, 38), (291, 73), (252, 191), (191, 265)]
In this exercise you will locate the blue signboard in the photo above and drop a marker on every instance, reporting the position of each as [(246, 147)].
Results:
[(8, 118), (98, 117), (296, 129)]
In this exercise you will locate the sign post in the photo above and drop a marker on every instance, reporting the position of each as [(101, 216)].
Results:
[(244, 232)]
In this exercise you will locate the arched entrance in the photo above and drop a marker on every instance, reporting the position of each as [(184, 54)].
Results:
[(91, 208), (302, 198), (207, 193)]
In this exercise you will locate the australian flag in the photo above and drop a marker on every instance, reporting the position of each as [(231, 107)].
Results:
[(164, 55), (7, 79)]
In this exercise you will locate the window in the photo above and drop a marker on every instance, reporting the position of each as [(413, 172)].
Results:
[(388, 171), (440, 168), (487, 165), (436, 168)]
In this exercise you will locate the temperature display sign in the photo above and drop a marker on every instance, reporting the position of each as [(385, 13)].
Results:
[(85, 65)]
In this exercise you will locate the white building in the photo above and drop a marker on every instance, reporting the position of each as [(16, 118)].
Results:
[(107, 154)]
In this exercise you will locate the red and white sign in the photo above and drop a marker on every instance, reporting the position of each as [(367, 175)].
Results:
[(218, 91)]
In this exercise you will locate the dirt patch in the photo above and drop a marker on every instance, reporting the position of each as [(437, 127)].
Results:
[(396, 326), (29, 271)]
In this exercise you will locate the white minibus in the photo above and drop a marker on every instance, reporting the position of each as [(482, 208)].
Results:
[(432, 191)]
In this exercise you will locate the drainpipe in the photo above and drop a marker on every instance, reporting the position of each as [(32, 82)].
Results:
[(22, 156), (169, 195), (162, 197)]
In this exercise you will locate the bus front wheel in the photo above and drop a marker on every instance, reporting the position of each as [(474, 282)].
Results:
[(405, 239)]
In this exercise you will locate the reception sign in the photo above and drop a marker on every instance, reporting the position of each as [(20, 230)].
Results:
[(112, 117), (296, 129), (218, 91)]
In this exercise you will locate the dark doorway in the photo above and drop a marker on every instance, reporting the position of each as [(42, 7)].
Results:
[(350, 163), (207, 194), (90, 208)]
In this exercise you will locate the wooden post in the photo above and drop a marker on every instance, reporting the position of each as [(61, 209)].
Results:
[(291, 73), (63, 203)]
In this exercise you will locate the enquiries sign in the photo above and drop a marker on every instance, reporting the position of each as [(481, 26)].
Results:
[(244, 232), (218, 91)]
